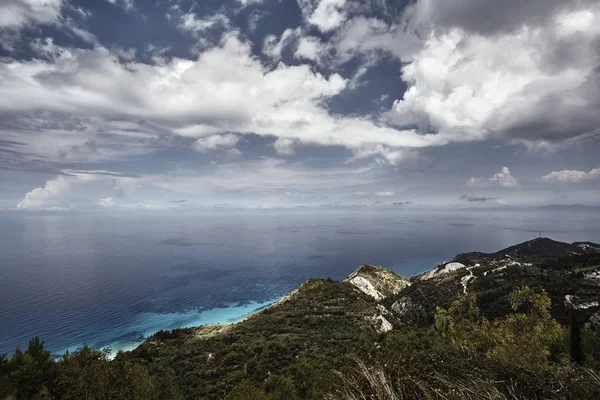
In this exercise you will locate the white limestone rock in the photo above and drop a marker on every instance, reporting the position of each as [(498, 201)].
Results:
[(377, 282), (366, 287), (442, 270), (402, 305), (381, 324)]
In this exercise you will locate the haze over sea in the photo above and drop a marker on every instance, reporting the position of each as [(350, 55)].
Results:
[(114, 279)]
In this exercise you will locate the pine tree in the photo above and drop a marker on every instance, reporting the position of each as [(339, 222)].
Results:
[(575, 341)]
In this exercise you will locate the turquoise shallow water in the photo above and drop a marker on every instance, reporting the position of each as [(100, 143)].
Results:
[(112, 280), (121, 337)]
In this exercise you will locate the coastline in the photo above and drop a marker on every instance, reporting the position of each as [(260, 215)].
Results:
[(145, 325)]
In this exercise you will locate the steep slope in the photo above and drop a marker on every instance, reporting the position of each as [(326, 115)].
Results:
[(319, 327), (321, 322), (568, 272)]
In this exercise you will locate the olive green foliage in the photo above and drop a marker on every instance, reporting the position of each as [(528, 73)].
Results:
[(300, 340), (284, 389), (245, 390), (468, 356), (84, 375), (590, 342), (29, 374), (523, 337), (558, 277)]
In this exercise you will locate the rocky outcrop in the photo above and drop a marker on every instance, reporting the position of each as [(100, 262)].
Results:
[(381, 324), (365, 286), (377, 282), (403, 305), (442, 269)]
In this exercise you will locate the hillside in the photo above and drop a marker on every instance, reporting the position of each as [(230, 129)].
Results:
[(520, 323), (317, 326)]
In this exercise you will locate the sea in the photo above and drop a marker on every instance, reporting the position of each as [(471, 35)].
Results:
[(113, 279)]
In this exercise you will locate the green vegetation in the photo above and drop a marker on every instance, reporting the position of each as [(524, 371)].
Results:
[(577, 354), (84, 375), (469, 357), (522, 337), (300, 339), (508, 333)]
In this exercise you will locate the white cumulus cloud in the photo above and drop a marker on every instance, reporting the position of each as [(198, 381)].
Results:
[(226, 89), (463, 85), (324, 14), (503, 178), (47, 196), (571, 176)]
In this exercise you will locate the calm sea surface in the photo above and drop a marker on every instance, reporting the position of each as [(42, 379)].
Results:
[(111, 280)]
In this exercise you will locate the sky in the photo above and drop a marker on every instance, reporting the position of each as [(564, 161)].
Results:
[(170, 104)]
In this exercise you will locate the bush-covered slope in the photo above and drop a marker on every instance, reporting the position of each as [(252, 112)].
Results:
[(321, 322), (520, 323), (565, 271)]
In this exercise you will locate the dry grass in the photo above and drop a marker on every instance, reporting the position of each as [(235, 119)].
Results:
[(450, 383)]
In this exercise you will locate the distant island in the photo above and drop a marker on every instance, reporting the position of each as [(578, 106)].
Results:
[(521, 323)]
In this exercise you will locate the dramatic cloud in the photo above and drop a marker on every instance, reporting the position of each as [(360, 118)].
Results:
[(571, 176), (225, 90), (462, 84), (271, 103)]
